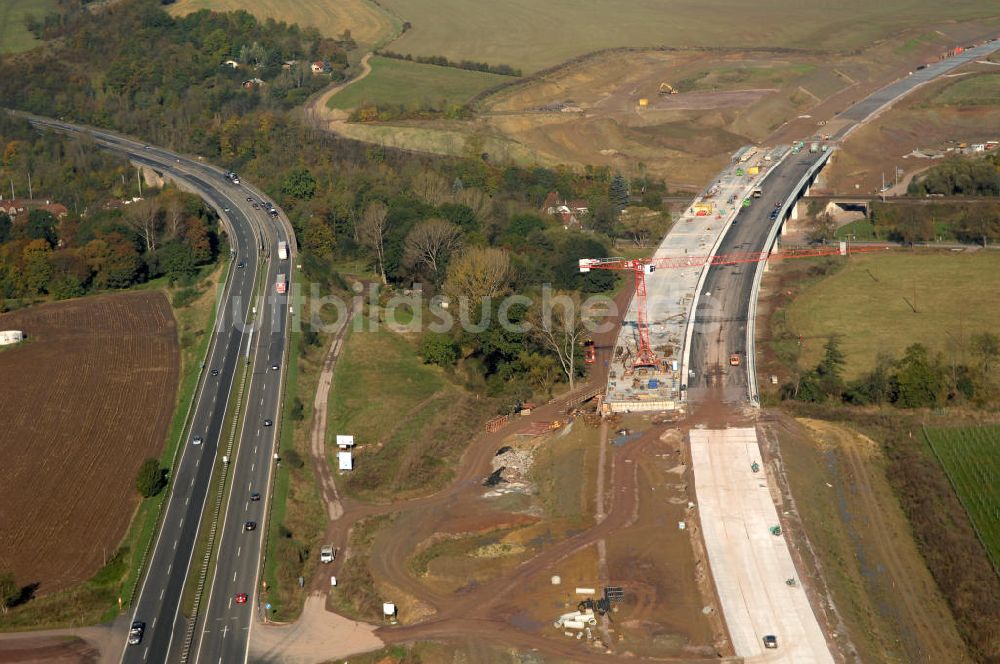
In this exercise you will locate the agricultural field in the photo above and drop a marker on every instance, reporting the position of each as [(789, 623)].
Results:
[(414, 85), (96, 387), (971, 458), (369, 25), (14, 36), (978, 89), (867, 304), (533, 36)]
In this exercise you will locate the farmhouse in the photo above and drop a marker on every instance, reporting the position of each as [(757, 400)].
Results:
[(253, 83), (568, 212), (13, 207)]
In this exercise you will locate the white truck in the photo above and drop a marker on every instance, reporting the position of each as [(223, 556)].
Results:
[(283, 251), (327, 553)]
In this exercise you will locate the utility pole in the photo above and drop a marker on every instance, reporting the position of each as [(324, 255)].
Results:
[(30, 195)]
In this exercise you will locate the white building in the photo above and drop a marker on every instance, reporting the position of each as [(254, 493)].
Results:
[(345, 461), (345, 442), (11, 337)]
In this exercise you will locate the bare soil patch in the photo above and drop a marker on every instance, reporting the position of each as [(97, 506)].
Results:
[(86, 399)]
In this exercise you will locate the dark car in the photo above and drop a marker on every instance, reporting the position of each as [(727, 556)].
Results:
[(250, 525), (215, 372), (255, 496), (268, 423), (135, 633), (249, 199), (241, 265), (771, 641), (256, 207)]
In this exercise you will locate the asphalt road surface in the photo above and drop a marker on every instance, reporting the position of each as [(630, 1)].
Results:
[(720, 321), (861, 111), (253, 237)]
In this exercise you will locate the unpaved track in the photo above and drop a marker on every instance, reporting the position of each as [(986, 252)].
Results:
[(316, 111), (924, 627)]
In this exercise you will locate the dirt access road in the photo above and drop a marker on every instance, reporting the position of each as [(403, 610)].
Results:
[(483, 612)]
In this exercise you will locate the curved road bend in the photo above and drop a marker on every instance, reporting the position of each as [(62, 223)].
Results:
[(720, 322), (254, 237)]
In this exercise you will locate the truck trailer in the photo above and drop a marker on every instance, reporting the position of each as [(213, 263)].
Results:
[(283, 251), (282, 284)]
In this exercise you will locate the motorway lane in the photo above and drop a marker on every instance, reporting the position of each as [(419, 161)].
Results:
[(222, 633), (720, 323), (253, 237), (874, 102)]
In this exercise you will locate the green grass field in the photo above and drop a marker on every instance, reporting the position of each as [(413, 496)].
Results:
[(14, 36), (534, 35), (867, 304), (974, 90), (971, 458), (414, 85), (368, 24)]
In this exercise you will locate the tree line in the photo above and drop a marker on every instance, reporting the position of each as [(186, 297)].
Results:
[(918, 379), (95, 246), (960, 177), (442, 61)]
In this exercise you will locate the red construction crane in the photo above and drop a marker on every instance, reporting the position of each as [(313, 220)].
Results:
[(640, 267)]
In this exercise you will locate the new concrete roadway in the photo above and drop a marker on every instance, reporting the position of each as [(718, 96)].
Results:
[(253, 237)]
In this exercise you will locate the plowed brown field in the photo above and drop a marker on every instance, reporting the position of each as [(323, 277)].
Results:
[(82, 403)]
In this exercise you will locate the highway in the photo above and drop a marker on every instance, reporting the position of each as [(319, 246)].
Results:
[(720, 321), (253, 237), (721, 317)]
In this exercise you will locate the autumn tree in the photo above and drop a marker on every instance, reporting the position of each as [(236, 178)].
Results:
[(477, 273), (430, 244), (558, 323), (144, 218), (317, 238), (371, 232)]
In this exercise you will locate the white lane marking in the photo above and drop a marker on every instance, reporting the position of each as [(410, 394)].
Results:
[(230, 602), (255, 449), (170, 567), (252, 467), (187, 500), (145, 654), (239, 550), (181, 523), (234, 577), (175, 544), (162, 590)]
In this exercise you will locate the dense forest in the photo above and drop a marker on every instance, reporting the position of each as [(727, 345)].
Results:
[(101, 235), (131, 66)]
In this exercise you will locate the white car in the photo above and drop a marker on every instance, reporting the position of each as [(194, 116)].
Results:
[(197, 440)]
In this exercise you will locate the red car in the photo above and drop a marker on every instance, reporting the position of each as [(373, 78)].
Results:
[(241, 598)]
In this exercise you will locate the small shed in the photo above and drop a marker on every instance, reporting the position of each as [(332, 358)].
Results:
[(345, 461), (11, 337), (345, 442)]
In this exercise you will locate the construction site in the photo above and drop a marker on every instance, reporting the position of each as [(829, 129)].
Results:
[(648, 370)]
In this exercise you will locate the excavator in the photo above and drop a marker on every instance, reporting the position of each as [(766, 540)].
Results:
[(667, 89)]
